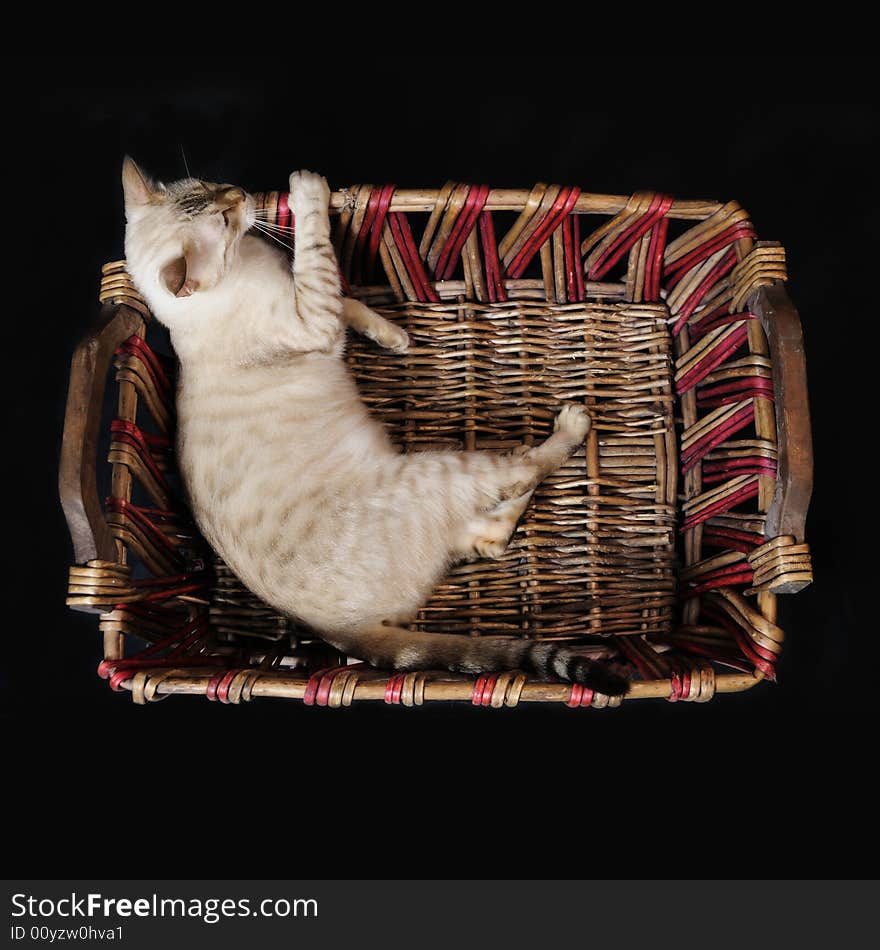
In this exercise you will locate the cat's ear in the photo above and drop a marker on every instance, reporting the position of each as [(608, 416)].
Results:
[(138, 189), (185, 275)]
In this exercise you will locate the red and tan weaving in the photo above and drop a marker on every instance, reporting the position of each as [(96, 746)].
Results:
[(663, 543)]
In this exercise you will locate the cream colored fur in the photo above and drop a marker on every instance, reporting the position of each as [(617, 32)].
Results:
[(290, 479)]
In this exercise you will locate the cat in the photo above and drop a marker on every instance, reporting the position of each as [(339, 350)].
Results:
[(290, 479)]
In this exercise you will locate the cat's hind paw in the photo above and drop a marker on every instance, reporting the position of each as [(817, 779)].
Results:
[(574, 421)]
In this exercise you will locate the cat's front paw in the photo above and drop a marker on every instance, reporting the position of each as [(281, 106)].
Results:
[(393, 338), (308, 191)]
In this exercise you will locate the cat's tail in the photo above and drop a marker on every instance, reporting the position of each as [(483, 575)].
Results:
[(401, 649)]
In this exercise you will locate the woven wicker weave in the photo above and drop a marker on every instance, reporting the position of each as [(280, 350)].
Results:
[(663, 542)]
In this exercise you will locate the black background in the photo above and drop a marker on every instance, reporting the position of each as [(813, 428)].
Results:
[(771, 782)]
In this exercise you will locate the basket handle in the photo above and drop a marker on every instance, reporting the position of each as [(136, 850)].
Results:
[(77, 476), (794, 484)]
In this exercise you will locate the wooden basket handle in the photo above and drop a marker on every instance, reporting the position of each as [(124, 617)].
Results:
[(794, 484), (77, 480)]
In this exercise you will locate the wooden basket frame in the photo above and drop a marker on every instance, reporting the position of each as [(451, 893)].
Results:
[(755, 286)]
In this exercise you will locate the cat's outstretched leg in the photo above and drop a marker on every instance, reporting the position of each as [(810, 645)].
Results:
[(367, 322), (316, 281), (525, 471), (488, 533)]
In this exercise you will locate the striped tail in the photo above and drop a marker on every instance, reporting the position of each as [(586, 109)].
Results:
[(548, 660), (401, 649)]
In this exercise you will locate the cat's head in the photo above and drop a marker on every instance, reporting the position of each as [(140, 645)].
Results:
[(181, 238)]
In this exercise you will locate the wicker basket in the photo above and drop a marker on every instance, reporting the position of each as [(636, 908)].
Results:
[(663, 542)]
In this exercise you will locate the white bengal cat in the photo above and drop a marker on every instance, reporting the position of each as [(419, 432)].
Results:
[(290, 479)]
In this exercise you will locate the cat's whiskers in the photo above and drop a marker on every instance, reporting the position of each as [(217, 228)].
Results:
[(269, 234), (274, 227), (267, 218)]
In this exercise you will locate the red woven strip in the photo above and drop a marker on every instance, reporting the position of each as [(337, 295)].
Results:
[(175, 592), (394, 688), (155, 612), (357, 263), (704, 325), (492, 263), (151, 442), (741, 576), (724, 504), (660, 204), (172, 579), (626, 239), (193, 632), (326, 682), (675, 271), (382, 205), (398, 689), (656, 249), (735, 391), (389, 690), (211, 688), (766, 466), (677, 688), (284, 217), (727, 657), (135, 346), (488, 689), (443, 261), (127, 671), (225, 683), (578, 266), (117, 679), (719, 572), (712, 359), (124, 431), (760, 658), (143, 452), (724, 266), (580, 696), (728, 538), (121, 670), (477, 693), (467, 219), (284, 201), (529, 249), (312, 685), (693, 453), (565, 201), (180, 640), (574, 700), (121, 506), (714, 479), (686, 684), (409, 253)]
